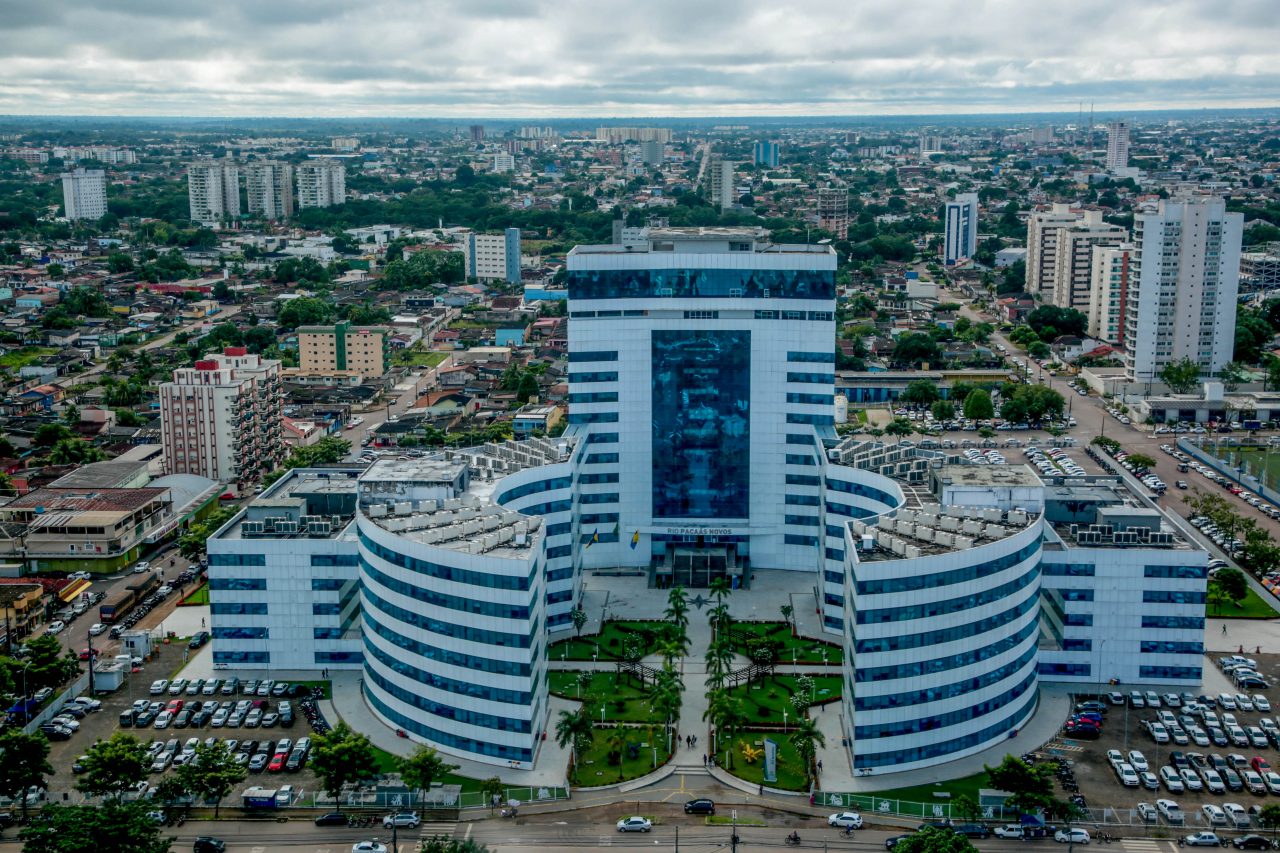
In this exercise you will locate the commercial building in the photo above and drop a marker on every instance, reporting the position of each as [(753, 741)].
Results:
[(345, 144), (1042, 246), (1110, 278), (342, 347), (1117, 145), (493, 257), (766, 153), (213, 191), (269, 187), (960, 237), (221, 418), (1186, 277), (321, 183), (84, 194), (1260, 270), (477, 132), (1073, 258)]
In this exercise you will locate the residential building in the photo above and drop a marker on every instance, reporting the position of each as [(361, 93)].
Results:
[(84, 194), (493, 257), (765, 153), (342, 347), (1109, 283), (1117, 145), (221, 418), (960, 236), (213, 190), (652, 152), (504, 162), (1042, 246), (1073, 258), (321, 183), (535, 418), (619, 135), (833, 210), (345, 144), (269, 187), (1185, 283), (721, 185), (477, 132), (69, 529)]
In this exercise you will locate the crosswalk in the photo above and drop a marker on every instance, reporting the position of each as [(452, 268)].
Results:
[(1144, 845), (438, 829)]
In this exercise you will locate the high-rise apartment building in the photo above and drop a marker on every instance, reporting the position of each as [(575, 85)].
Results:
[(504, 162), (766, 153), (343, 347), (833, 210), (619, 135), (721, 183), (652, 152), (345, 144), (213, 190), (84, 194), (322, 183), (477, 132), (1110, 279), (1185, 281), (1117, 145), (1073, 258), (222, 418), (492, 257), (269, 189), (960, 235), (1042, 246)]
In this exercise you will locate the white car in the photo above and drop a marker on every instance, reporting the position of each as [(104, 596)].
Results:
[(1262, 704), (55, 627), (845, 819), (1074, 835), (1244, 702), (1227, 702), (1190, 779), (1214, 815), (635, 824), (1172, 780), (409, 819), (1115, 756), (1138, 760), (97, 628), (1009, 830), (368, 847), (1127, 775), (1202, 839)]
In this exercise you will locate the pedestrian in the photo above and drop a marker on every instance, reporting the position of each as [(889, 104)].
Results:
[(760, 793), (819, 765), (704, 759), (1224, 627), (1258, 650), (201, 623)]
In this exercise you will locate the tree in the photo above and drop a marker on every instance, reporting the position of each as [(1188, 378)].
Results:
[(1180, 376), (75, 451), (806, 738), (24, 763), (421, 769), (113, 766), (978, 406), (574, 730), (1140, 460), (919, 392), (340, 757), (528, 387), (493, 790), (113, 827), (303, 311), (119, 262), (436, 844), (966, 808), (47, 666), (915, 348), (900, 427), (211, 774), (1269, 818), (47, 435), (934, 840), (1232, 374), (169, 791), (1030, 785), (943, 410), (666, 694), (1233, 584), (1110, 445), (578, 617), (677, 609), (1050, 321), (786, 610), (1038, 350)]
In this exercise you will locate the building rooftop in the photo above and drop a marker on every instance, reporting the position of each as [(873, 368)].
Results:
[(988, 475), (52, 499), (101, 475), (307, 503), (935, 529)]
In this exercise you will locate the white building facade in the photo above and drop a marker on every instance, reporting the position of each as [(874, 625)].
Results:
[(321, 183), (1073, 258), (1117, 145), (492, 257), (960, 237), (213, 191), (269, 189), (84, 194), (1110, 273)]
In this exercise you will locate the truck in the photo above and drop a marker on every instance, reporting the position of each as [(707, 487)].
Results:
[(259, 797), (122, 601), (1253, 426)]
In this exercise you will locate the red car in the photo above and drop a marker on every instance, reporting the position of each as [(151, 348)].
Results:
[(175, 705), (84, 654), (1261, 765), (277, 762)]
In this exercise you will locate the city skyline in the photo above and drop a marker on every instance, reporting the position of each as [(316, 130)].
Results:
[(500, 59)]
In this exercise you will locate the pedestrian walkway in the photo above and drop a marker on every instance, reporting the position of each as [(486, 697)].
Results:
[(437, 829)]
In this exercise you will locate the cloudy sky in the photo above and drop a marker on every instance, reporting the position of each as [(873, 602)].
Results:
[(545, 58)]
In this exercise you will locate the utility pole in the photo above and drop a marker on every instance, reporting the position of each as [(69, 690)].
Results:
[(733, 839)]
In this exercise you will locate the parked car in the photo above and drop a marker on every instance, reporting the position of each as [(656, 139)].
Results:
[(634, 824), (700, 806), (1073, 835)]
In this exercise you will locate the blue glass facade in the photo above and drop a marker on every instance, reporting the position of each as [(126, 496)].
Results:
[(702, 284), (701, 423)]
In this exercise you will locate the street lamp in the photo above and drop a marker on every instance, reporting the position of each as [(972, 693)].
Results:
[(784, 720)]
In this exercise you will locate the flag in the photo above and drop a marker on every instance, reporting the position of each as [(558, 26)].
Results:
[(595, 537), (635, 539)]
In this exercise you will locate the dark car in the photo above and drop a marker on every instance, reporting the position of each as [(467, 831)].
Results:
[(208, 844), (297, 759), (1231, 779), (126, 718), (973, 830), (198, 639), (1178, 759), (183, 719), (332, 819), (144, 719), (286, 719), (892, 842), (1092, 705), (1251, 842), (700, 806)]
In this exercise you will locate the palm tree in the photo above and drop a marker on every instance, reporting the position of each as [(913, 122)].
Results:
[(719, 661), (666, 697), (673, 645), (806, 738), (575, 731), (617, 742), (677, 607), (720, 589)]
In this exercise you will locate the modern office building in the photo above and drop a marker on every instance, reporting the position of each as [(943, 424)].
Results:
[(269, 189), (321, 183), (1110, 277), (1117, 145), (345, 144), (493, 257), (766, 153), (342, 347), (213, 191), (1073, 258), (1042, 246), (84, 194), (960, 228), (1186, 279), (221, 419)]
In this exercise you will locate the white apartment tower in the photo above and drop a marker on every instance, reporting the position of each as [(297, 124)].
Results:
[(1042, 246), (269, 186), (720, 181), (321, 183), (1073, 257), (84, 194), (1185, 280), (1110, 274), (222, 418), (213, 189), (1117, 145), (961, 228), (504, 162)]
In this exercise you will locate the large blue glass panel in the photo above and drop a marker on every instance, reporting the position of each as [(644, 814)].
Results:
[(701, 423), (702, 283)]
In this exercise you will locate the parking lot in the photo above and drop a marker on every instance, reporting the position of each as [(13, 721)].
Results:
[(1211, 754)]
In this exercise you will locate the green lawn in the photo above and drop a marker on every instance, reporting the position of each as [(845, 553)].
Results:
[(416, 357), (627, 701), (966, 786), (806, 650), (199, 595), (20, 358), (388, 763), (1253, 606), (766, 699), (790, 771), (609, 643), (596, 770)]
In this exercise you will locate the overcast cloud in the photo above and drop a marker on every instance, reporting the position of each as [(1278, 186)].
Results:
[(652, 57)]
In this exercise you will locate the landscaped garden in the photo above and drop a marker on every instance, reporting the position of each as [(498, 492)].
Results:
[(624, 700), (620, 753), (786, 647), (764, 700), (749, 764), (612, 641)]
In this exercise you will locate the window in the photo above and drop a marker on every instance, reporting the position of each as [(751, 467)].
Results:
[(597, 376), (1073, 570), (938, 721), (241, 657), (811, 399), (592, 479), (448, 573), (801, 459), (804, 480), (795, 539), (600, 459), (812, 357), (588, 518), (1159, 596), (237, 559), (1169, 647), (598, 498), (242, 632), (1188, 673), (533, 488), (801, 521), (593, 417), (702, 283), (438, 599), (1077, 645), (414, 724), (379, 608), (953, 605), (248, 608), (806, 438), (446, 656), (835, 554), (335, 559), (594, 397), (863, 702), (602, 438), (937, 579), (327, 584), (237, 584), (326, 633), (996, 730), (1191, 572), (815, 420), (326, 609), (812, 378), (1195, 623), (597, 355)]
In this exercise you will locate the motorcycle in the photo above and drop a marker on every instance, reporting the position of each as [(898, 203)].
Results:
[(793, 840)]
